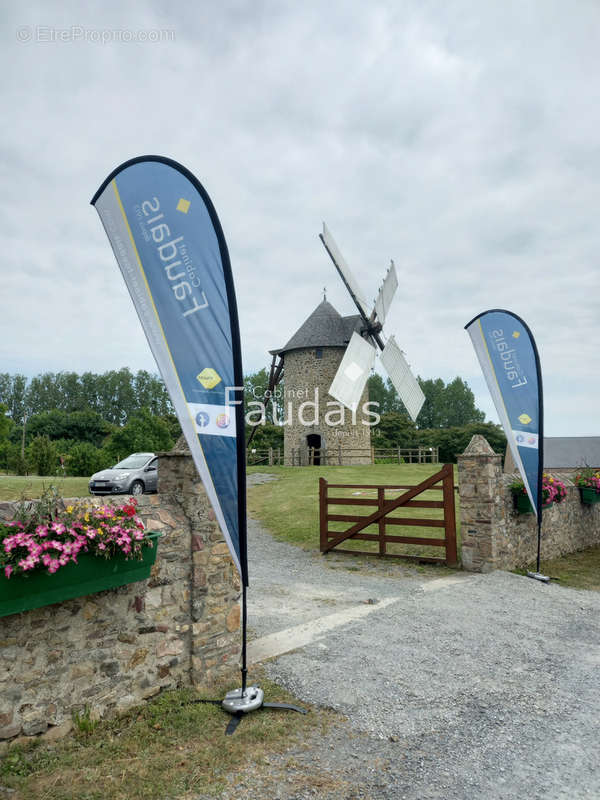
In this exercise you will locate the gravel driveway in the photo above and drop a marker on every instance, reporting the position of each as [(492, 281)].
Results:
[(474, 686)]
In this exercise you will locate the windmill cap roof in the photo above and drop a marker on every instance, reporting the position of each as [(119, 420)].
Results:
[(325, 327)]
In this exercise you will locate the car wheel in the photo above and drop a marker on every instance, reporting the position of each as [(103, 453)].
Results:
[(137, 487)]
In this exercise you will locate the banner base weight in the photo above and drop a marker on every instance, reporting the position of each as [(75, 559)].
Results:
[(537, 576), (238, 701)]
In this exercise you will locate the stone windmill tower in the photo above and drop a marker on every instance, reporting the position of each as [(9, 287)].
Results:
[(314, 431)]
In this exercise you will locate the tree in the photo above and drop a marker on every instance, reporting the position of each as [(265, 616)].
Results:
[(13, 395), (5, 423), (43, 456), (43, 393), (394, 430), (255, 386), (453, 441), (378, 393), (459, 405), (447, 405), (85, 459), (143, 433), (86, 426), (151, 393), (268, 436), (16, 463)]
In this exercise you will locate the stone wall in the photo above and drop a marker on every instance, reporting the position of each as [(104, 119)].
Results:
[(495, 536), (114, 649), (304, 373)]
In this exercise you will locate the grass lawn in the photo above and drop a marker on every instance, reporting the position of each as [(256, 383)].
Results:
[(577, 570), (17, 487), (167, 748), (289, 507)]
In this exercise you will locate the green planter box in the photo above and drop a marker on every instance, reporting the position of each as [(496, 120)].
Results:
[(523, 504), (91, 574), (589, 496)]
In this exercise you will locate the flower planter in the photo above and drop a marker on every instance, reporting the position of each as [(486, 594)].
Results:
[(523, 504), (589, 496), (91, 574)]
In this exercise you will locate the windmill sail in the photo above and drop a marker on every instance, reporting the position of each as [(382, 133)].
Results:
[(353, 372), (350, 379), (345, 272), (386, 294), (404, 381)]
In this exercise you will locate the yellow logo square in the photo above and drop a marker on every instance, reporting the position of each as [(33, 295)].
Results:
[(183, 205), (209, 378), (525, 419)]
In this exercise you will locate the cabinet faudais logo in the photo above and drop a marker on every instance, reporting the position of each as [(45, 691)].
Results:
[(223, 421), (209, 378), (525, 419)]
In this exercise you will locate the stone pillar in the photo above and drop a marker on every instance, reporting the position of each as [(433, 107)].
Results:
[(481, 504), (215, 583)]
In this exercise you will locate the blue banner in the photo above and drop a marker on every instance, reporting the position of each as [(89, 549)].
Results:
[(509, 359), (170, 247)]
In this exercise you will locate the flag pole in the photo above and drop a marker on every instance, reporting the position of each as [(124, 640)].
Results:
[(244, 624), (537, 575)]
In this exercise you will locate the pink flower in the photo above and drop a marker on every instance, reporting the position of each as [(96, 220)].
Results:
[(8, 571)]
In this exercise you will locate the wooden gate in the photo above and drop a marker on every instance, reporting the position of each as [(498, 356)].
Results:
[(442, 481)]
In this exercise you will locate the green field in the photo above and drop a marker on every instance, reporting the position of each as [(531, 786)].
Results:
[(19, 487), (289, 507)]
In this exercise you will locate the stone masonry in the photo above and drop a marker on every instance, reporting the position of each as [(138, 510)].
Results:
[(495, 536), (114, 649), (306, 374)]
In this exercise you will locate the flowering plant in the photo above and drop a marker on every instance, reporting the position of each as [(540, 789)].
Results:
[(553, 490), (588, 479), (47, 536)]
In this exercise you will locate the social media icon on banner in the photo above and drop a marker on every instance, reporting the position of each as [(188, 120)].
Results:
[(202, 419), (223, 421)]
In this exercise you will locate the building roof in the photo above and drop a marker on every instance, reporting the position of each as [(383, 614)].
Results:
[(565, 452), (325, 327)]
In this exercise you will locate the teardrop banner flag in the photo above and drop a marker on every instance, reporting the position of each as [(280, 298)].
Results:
[(170, 247), (509, 359)]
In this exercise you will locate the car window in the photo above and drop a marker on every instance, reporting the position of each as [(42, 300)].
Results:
[(154, 463), (135, 461)]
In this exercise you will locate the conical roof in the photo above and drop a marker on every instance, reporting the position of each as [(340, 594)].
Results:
[(325, 327)]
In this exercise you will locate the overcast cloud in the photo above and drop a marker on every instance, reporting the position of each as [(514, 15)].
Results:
[(460, 139)]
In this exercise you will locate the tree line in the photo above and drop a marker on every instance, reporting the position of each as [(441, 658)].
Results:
[(114, 395), (78, 424)]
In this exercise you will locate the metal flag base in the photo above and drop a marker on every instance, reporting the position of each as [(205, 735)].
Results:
[(239, 702), (242, 701), (537, 576)]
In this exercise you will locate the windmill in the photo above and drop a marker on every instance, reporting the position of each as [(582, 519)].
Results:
[(360, 353), (359, 358)]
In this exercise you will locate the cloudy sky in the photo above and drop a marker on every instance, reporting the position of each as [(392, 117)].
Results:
[(460, 138)]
